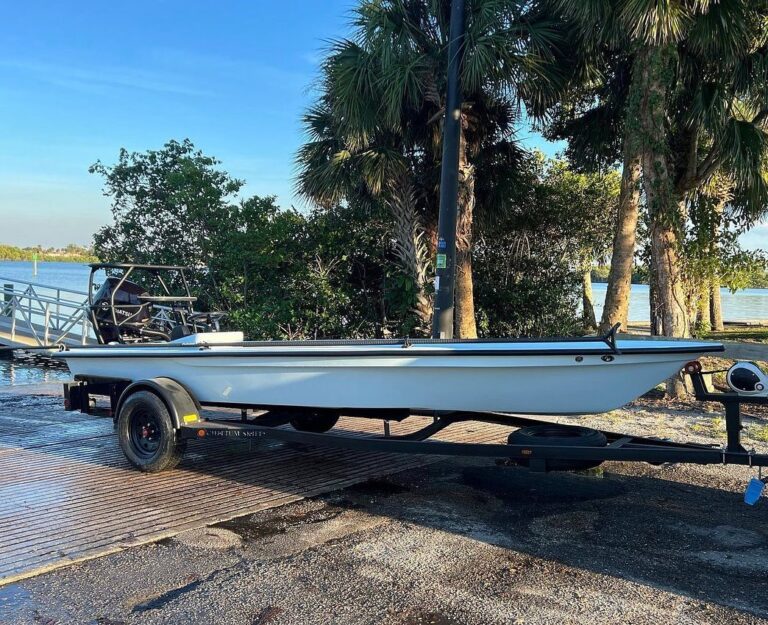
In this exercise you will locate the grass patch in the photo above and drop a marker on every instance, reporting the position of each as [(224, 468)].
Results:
[(758, 433), (754, 334), (712, 427)]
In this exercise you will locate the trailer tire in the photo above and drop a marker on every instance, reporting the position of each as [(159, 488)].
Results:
[(146, 433), (560, 435), (314, 421)]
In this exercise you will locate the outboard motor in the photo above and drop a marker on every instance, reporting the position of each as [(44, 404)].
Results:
[(117, 311), (123, 311), (746, 378)]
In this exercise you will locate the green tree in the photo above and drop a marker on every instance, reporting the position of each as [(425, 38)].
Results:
[(172, 205), (588, 205), (294, 276), (533, 264), (693, 104)]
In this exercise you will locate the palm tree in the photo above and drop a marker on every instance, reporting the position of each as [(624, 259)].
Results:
[(696, 104), (383, 92), (693, 63), (379, 173)]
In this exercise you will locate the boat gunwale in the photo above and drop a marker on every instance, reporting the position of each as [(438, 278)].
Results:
[(211, 351)]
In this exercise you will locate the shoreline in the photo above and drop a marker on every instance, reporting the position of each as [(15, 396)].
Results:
[(74, 260)]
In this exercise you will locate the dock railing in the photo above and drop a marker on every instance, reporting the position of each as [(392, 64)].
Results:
[(34, 314)]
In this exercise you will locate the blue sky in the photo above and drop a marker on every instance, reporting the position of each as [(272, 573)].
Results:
[(80, 80)]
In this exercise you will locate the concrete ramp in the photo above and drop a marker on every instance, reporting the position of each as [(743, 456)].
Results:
[(67, 494)]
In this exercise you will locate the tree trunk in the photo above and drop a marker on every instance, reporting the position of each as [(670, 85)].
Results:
[(671, 300), (465, 325), (666, 210), (588, 307), (616, 309), (716, 307), (653, 301), (465, 307), (703, 323)]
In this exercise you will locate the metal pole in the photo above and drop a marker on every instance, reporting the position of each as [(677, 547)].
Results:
[(442, 323), (7, 294)]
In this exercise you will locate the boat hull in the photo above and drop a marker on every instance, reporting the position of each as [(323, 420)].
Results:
[(565, 381)]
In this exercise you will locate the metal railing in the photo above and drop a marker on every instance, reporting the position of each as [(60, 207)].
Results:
[(43, 314), (34, 314)]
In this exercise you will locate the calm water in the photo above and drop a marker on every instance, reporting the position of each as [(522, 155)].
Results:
[(740, 306), (62, 275), (31, 370), (746, 304)]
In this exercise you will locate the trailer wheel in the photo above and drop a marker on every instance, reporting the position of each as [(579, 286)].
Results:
[(315, 421), (146, 433), (563, 436)]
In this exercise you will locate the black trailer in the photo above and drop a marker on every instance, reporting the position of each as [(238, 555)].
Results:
[(156, 418)]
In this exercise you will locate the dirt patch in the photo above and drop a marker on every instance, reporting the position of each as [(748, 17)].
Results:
[(209, 538), (427, 618)]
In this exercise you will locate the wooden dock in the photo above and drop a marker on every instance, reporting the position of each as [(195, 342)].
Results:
[(67, 494)]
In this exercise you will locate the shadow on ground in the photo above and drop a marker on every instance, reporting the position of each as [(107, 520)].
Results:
[(691, 540)]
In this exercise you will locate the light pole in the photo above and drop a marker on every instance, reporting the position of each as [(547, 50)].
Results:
[(445, 262)]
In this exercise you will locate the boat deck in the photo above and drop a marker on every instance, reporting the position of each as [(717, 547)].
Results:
[(67, 494)]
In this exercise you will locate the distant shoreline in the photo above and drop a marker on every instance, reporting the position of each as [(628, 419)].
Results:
[(68, 254), (53, 258)]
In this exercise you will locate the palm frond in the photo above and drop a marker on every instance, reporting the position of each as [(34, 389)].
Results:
[(656, 22)]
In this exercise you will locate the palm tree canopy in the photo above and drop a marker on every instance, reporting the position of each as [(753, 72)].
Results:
[(718, 77), (382, 89)]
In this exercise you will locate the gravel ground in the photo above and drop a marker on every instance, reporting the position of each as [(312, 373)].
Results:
[(456, 543)]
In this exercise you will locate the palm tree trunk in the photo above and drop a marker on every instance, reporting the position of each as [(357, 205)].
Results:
[(665, 208), (465, 307), (703, 324), (670, 292), (466, 327), (616, 309), (653, 300), (716, 306), (588, 307)]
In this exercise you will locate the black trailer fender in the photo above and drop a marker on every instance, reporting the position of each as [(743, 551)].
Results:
[(181, 404)]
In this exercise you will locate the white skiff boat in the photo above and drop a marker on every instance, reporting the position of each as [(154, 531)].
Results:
[(560, 376)]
